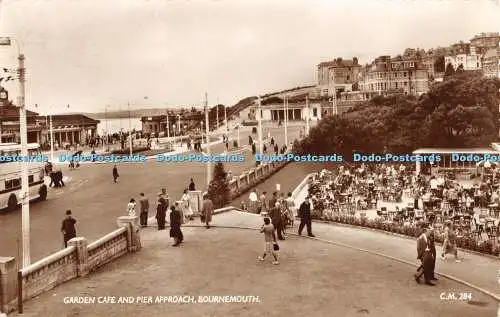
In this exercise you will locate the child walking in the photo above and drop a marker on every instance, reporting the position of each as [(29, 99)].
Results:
[(270, 240)]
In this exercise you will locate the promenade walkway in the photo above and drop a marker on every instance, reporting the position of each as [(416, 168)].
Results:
[(314, 278)]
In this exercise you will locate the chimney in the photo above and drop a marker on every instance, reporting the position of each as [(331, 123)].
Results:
[(355, 60)]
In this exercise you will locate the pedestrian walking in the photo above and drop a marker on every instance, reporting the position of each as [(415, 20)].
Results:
[(68, 228), (131, 208), (192, 186), (450, 242), (263, 204), (432, 246), (253, 205), (305, 217), (277, 220), (207, 210), (175, 225), (115, 173), (144, 203), (424, 255), (273, 200), (161, 212), (290, 206), (187, 211), (270, 241)]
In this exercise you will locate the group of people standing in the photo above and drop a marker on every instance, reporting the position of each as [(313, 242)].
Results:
[(274, 222), (180, 211)]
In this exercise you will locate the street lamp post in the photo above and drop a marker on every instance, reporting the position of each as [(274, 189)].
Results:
[(51, 131), (130, 131), (261, 145), (239, 145), (285, 101), (307, 115), (207, 129), (225, 118), (106, 119), (25, 218), (168, 127)]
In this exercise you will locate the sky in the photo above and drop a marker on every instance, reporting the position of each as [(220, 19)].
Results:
[(93, 53)]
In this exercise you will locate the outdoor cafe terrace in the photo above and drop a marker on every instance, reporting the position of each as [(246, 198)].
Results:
[(387, 198)]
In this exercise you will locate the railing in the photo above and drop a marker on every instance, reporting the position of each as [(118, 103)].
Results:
[(47, 273), (106, 249)]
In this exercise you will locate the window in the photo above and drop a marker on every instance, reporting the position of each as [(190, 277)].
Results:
[(406, 83), (315, 112), (405, 74), (347, 77), (30, 179)]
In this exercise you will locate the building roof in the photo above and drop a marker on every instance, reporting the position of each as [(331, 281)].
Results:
[(339, 63), (71, 119), (12, 112)]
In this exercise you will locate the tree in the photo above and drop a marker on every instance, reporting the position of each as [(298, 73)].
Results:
[(439, 65), (218, 190), (449, 71), (460, 112)]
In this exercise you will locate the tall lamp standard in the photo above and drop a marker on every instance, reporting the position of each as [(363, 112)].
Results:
[(51, 133), (130, 131), (106, 119), (207, 130), (261, 145), (225, 118), (25, 218), (285, 104)]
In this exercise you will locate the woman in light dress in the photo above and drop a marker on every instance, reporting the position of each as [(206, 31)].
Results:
[(185, 206), (450, 242), (131, 208)]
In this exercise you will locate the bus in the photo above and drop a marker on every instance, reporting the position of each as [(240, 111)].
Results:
[(10, 176)]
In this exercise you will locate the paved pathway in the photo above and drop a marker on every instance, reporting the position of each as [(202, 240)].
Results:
[(474, 269), (313, 279)]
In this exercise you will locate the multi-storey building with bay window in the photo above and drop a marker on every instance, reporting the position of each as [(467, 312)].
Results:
[(401, 74)]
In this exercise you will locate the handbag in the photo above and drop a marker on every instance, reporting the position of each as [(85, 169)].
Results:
[(276, 247)]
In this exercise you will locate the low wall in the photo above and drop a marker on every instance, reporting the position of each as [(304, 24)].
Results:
[(251, 178), (77, 260), (107, 248)]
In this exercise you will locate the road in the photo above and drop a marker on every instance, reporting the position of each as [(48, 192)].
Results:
[(96, 201)]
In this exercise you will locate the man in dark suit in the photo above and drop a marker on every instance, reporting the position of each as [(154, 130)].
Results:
[(432, 246), (305, 217), (424, 254), (68, 228), (276, 218)]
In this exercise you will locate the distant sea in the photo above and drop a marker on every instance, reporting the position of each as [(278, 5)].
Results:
[(115, 125)]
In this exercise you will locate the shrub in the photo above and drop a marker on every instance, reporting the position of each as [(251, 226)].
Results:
[(218, 190)]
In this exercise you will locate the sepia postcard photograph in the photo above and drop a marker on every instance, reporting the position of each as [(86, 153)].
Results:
[(249, 158)]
